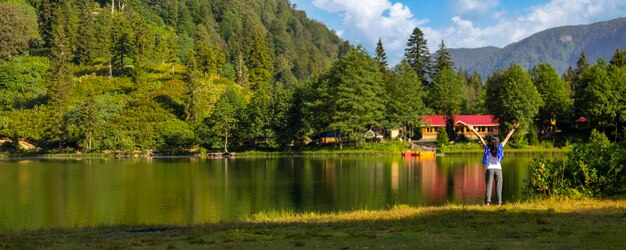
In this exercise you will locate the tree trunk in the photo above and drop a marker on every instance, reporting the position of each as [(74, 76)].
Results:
[(112, 6), (226, 143), (404, 132), (110, 71)]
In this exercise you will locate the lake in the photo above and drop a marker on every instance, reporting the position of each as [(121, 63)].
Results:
[(38, 194)]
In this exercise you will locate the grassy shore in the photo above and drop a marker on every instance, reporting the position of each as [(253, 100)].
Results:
[(372, 149), (528, 225)]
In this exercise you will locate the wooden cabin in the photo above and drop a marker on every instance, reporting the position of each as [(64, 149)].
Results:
[(484, 124)]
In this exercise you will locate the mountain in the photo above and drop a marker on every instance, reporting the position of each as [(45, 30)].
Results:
[(154, 74), (560, 47)]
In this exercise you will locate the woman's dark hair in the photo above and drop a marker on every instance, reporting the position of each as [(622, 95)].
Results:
[(493, 145)]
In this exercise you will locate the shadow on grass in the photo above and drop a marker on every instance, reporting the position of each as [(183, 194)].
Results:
[(511, 226)]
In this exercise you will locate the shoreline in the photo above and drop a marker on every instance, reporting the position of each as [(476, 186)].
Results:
[(552, 223), (304, 153)]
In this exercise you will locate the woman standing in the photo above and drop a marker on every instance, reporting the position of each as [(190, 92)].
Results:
[(494, 154)]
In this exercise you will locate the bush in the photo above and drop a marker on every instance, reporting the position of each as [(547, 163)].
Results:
[(599, 138), (442, 138), (590, 170), (533, 137)]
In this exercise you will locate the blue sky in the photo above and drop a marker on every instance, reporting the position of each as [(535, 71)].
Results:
[(460, 23)]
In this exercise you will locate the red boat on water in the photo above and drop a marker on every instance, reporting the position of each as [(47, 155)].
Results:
[(410, 153)]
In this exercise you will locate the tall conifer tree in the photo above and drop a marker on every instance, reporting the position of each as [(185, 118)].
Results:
[(259, 62), (443, 59), (418, 56), (619, 58), (87, 44), (381, 56), (582, 65), (122, 39), (60, 76)]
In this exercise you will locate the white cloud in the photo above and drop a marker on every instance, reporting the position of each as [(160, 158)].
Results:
[(506, 30), (364, 21)]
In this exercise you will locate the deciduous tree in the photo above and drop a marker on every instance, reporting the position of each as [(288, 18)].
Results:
[(512, 97), (17, 27), (553, 91)]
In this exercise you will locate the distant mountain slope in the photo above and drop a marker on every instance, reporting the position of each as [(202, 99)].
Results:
[(560, 47)]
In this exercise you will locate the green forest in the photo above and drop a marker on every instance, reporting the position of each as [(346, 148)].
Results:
[(182, 75)]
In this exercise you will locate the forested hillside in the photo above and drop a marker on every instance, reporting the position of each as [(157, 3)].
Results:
[(559, 47), (185, 75), (147, 74)]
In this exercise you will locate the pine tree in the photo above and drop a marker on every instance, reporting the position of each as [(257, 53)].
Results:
[(354, 88), (418, 56), (259, 62), (619, 58), (475, 98), (46, 17), (104, 23), (87, 44), (70, 14), (443, 59), (122, 39), (142, 45), (210, 57), (579, 85), (60, 76), (172, 12), (192, 85), (404, 104), (569, 76), (582, 64), (242, 71), (257, 115), (446, 95), (381, 56)]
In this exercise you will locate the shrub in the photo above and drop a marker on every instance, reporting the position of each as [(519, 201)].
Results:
[(442, 138), (590, 170), (599, 138)]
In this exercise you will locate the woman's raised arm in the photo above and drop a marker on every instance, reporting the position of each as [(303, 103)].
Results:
[(471, 128), (508, 136)]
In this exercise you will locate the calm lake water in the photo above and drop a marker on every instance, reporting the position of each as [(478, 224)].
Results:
[(38, 194)]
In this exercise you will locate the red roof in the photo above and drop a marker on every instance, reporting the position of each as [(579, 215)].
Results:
[(483, 120), (582, 119)]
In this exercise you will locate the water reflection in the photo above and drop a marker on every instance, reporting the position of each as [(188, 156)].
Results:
[(71, 193)]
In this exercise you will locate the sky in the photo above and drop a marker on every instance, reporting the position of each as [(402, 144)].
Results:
[(459, 23)]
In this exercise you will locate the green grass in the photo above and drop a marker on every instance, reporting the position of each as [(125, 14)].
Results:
[(528, 225)]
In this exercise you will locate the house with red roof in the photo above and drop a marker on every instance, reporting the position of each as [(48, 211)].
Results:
[(484, 124)]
